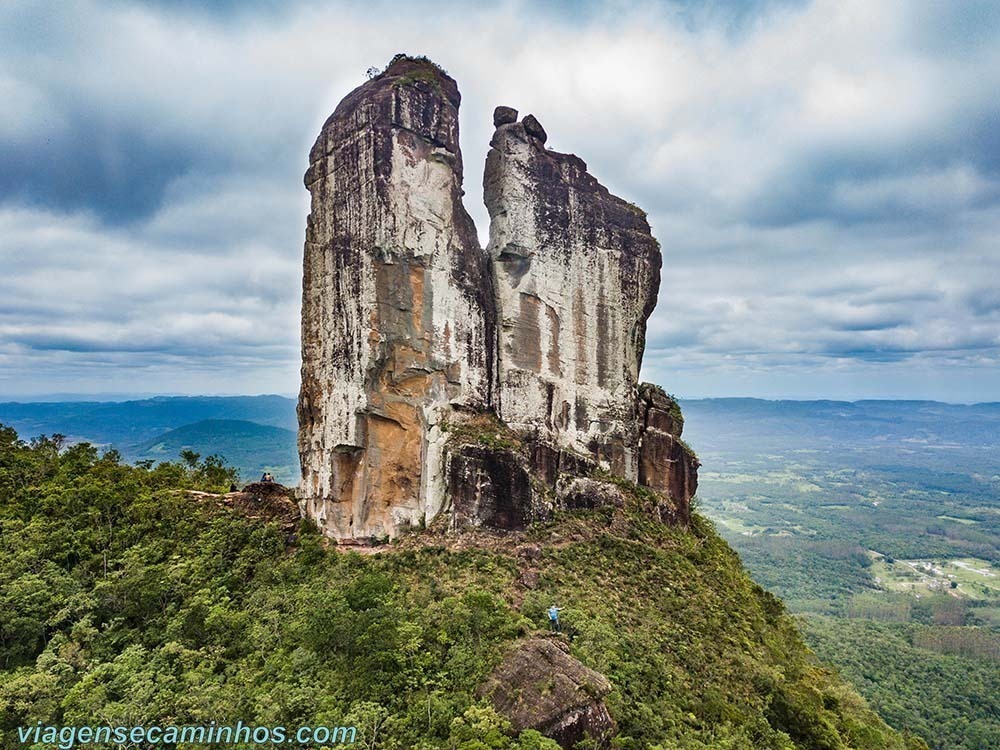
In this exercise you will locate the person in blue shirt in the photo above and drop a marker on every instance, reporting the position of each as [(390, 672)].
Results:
[(554, 625)]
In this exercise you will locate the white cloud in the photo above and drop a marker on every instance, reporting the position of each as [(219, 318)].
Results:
[(823, 178)]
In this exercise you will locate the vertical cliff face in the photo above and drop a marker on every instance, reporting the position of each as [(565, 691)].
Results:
[(438, 378), (576, 274), (397, 314)]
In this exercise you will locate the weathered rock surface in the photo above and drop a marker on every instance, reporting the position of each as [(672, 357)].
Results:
[(575, 493), (504, 116), (576, 273), (397, 304), (540, 686), (666, 464), (499, 479), (414, 338), (489, 487)]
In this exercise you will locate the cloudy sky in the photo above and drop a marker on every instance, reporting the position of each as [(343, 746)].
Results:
[(824, 178)]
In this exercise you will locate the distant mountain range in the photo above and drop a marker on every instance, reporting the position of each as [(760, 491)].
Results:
[(131, 422), (251, 447), (919, 434), (257, 433), (253, 433)]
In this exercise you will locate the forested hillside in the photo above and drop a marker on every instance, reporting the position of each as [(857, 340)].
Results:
[(952, 674), (128, 600)]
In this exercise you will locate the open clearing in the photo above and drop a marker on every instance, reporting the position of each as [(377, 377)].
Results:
[(972, 578)]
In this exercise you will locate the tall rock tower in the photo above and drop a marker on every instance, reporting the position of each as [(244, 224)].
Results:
[(576, 272), (490, 387), (397, 304)]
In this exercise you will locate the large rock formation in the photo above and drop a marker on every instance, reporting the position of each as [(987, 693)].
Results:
[(440, 378), (397, 304), (576, 273), (666, 464)]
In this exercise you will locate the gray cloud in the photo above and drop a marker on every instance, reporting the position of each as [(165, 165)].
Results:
[(824, 177)]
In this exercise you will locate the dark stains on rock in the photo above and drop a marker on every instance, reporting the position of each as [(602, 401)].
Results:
[(533, 128), (508, 483), (489, 487), (585, 493), (504, 116)]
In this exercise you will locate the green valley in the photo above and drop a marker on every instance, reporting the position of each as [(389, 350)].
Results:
[(879, 524)]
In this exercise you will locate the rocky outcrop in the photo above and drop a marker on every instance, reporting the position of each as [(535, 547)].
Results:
[(412, 333), (269, 502), (666, 463), (576, 274), (397, 305), (499, 478), (540, 686), (490, 487)]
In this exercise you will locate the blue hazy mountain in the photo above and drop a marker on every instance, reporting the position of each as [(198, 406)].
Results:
[(251, 447), (252, 433), (129, 423)]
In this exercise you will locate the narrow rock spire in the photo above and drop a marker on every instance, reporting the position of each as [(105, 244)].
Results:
[(576, 272), (397, 304)]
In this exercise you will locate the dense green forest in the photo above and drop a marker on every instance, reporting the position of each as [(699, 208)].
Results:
[(128, 600), (941, 682)]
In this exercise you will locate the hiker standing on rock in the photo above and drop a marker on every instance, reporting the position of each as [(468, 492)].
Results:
[(554, 625)]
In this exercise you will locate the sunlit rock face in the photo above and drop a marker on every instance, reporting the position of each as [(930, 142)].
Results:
[(491, 386), (397, 305), (576, 273)]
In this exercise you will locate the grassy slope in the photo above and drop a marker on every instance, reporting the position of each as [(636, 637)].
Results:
[(128, 602), (697, 652)]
